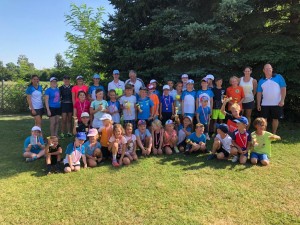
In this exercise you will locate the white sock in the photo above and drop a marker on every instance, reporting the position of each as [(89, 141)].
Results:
[(114, 157)]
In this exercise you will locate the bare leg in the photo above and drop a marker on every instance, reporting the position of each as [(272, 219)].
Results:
[(275, 124)]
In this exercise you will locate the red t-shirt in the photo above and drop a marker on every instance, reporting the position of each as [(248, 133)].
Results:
[(76, 89), (236, 93), (82, 107)]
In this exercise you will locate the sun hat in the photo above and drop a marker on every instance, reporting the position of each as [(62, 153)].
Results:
[(92, 132)]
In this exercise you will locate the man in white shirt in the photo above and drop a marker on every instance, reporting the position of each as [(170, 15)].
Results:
[(136, 82), (116, 84)]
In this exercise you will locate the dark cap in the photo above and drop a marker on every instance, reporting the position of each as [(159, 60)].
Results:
[(67, 77)]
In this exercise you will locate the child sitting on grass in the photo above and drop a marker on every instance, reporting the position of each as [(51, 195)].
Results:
[(117, 146), (157, 133), (93, 149), (74, 152), (143, 138), (53, 153), (131, 142), (34, 147), (235, 114), (241, 141), (170, 138), (261, 141), (196, 141), (222, 143), (105, 133), (184, 130)]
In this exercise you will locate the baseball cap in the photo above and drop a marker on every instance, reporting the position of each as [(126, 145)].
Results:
[(142, 122), (81, 136), (184, 76), (190, 81), (153, 81), (53, 78), (205, 79), (223, 127), (66, 77), (106, 117), (204, 98), (96, 76), (169, 122), (210, 76), (190, 118), (84, 114), (150, 87), (92, 132), (242, 119), (79, 77), (166, 87), (36, 128), (116, 72)]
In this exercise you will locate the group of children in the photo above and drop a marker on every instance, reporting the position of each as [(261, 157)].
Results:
[(177, 121)]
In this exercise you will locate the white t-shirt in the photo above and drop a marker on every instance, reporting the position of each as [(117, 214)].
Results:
[(128, 104), (115, 86), (121, 142), (130, 143), (226, 142), (137, 85), (248, 89)]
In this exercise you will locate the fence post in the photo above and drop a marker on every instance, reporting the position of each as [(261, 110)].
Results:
[(2, 96)]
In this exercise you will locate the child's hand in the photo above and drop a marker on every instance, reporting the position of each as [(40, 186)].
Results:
[(48, 113), (120, 162), (72, 167)]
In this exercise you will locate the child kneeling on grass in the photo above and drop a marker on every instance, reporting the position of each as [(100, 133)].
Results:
[(34, 147), (241, 141), (131, 142), (222, 143), (261, 141), (53, 153), (157, 133), (93, 149), (143, 138), (74, 152), (117, 146), (196, 141)]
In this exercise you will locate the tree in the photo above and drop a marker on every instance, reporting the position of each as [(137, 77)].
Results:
[(26, 68), (85, 41), (13, 71), (60, 63)]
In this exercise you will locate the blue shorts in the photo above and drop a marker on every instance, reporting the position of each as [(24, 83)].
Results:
[(259, 156)]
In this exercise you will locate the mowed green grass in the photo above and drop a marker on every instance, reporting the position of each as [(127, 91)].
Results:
[(156, 190)]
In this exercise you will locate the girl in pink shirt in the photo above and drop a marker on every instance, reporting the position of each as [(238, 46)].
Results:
[(170, 138), (77, 88), (81, 106)]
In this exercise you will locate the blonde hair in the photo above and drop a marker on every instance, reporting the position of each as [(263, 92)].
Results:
[(157, 123), (260, 121), (236, 106), (118, 126), (128, 125), (199, 125), (234, 78)]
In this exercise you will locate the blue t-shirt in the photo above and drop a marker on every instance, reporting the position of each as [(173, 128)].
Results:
[(114, 106), (207, 93), (180, 127), (166, 103), (54, 97), (189, 98), (90, 150), (204, 114), (145, 105), (93, 89), (34, 148), (142, 136), (36, 96), (194, 138), (75, 153)]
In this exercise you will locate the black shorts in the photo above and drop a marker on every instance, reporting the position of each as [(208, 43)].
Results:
[(248, 105), (105, 152), (226, 154), (55, 111), (38, 112), (68, 165), (271, 112), (67, 107), (53, 159)]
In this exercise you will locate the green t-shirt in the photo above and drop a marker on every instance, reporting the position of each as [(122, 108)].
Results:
[(263, 141)]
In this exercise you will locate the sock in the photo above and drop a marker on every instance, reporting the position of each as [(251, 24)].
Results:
[(114, 157)]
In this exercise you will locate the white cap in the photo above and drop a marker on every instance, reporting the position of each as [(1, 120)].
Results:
[(153, 81), (184, 76), (166, 87), (190, 81), (84, 114), (36, 128), (79, 77), (53, 78), (210, 76), (106, 117)]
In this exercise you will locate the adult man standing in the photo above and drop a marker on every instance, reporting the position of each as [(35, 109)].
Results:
[(116, 84), (136, 82), (271, 92)]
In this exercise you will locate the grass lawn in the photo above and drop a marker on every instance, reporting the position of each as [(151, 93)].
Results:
[(156, 190)]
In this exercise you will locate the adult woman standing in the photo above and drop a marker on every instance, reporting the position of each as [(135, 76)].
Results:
[(34, 94), (249, 85)]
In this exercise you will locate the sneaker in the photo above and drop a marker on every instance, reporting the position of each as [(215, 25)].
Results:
[(62, 136), (31, 159), (207, 137), (235, 159), (211, 156), (69, 134), (115, 164), (207, 151), (176, 149)]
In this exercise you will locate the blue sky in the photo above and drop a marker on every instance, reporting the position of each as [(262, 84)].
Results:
[(36, 28)]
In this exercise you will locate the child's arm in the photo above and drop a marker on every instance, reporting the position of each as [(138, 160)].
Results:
[(182, 107), (123, 153), (139, 143), (197, 103), (47, 105), (70, 161), (152, 134), (160, 109), (161, 137), (84, 161), (249, 144), (134, 146), (274, 137), (197, 116), (224, 105)]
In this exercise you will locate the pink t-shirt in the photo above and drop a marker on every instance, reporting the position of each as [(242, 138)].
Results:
[(82, 107), (122, 141), (174, 134), (76, 89)]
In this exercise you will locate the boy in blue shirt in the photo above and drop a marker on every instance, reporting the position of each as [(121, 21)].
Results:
[(34, 146), (145, 107), (94, 87), (188, 99), (166, 105), (203, 115), (196, 141)]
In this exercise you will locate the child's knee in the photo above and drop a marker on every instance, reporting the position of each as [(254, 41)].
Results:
[(77, 168), (159, 152), (97, 153), (168, 151), (265, 162), (67, 170), (243, 159), (254, 161), (126, 161), (92, 163), (233, 151), (220, 156)]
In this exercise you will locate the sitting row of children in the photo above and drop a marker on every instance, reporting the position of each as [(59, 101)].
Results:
[(120, 145)]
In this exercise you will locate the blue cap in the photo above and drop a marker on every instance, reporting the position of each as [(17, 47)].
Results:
[(204, 98), (81, 136), (116, 72), (96, 76), (223, 127), (242, 119)]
